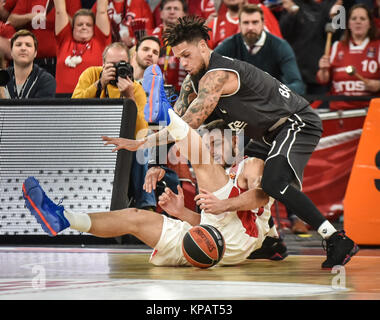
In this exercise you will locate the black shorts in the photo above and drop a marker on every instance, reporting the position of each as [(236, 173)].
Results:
[(295, 140)]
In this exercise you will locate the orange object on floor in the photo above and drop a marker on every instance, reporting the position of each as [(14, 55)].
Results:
[(362, 198)]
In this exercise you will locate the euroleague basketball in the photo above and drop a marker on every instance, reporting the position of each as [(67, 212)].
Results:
[(203, 246)]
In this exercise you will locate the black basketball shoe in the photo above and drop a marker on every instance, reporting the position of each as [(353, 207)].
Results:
[(339, 249), (272, 249)]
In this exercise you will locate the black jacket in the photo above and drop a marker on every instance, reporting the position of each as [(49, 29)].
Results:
[(40, 84), (305, 32)]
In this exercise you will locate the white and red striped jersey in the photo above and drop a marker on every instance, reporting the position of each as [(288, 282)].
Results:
[(365, 58), (201, 8), (232, 189), (129, 18), (222, 27)]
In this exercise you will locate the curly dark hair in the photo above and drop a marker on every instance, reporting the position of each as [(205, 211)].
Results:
[(188, 28)]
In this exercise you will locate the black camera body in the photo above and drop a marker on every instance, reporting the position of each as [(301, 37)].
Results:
[(4, 77), (123, 70)]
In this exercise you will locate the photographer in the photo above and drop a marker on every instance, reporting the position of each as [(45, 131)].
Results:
[(115, 80), (107, 82)]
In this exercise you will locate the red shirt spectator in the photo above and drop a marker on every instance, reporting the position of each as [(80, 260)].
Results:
[(358, 49), (222, 27), (6, 30), (8, 5), (170, 66), (201, 8), (43, 29), (365, 58), (79, 46), (90, 53), (126, 17)]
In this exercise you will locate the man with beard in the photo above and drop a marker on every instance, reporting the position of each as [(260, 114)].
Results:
[(262, 49), (282, 125), (226, 21), (147, 53)]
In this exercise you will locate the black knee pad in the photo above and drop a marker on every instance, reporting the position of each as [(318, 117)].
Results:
[(277, 176)]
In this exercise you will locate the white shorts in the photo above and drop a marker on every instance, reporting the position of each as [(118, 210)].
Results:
[(239, 244)]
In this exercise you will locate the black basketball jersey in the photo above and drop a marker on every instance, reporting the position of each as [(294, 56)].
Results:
[(260, 103)]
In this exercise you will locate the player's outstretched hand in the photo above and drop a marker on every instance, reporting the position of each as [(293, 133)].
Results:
[(153, 175), (172, 203), (208, 202), (122, 143)]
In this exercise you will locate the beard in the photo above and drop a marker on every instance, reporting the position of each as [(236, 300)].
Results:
[(199, 73), (251, 38), (141, 63)]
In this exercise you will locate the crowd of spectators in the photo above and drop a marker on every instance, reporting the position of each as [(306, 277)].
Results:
[(71, 36), (69, 47)]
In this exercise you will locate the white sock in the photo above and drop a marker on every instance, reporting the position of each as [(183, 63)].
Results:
[(177, 128), (326, 229), (78, 221), (273, 232)]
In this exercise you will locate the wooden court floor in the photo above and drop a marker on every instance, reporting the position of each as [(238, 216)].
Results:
[(101, 273)]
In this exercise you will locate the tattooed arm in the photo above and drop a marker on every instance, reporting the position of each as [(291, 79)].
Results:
[(163, 137), (195, 109), (211, 87), (186, 96)]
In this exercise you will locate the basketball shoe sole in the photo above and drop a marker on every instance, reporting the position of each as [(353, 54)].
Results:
[(48, 214), (340, 249), (157, 106), (272, 249)]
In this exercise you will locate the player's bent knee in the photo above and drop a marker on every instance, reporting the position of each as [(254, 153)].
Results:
[(276, 177), (273, 185), (131, 211), (139, 219), (129, 217)]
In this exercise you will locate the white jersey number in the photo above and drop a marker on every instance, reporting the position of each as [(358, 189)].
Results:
[(370, 66), (284, 91)]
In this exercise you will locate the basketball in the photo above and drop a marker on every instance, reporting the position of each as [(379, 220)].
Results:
[(203, 246)]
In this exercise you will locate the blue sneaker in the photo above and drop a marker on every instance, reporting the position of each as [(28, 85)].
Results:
[(157, 106), (49, 215)]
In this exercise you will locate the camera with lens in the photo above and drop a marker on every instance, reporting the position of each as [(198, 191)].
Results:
[(123, 70), (4, 77)]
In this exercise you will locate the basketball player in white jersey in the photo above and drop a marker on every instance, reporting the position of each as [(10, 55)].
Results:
[(244, 231), (248, 233)]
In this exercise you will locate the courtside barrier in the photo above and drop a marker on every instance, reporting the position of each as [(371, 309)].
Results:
[(59, 142), (362, 199)]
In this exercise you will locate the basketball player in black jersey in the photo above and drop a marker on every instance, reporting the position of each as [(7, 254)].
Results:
[(283, 128)]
